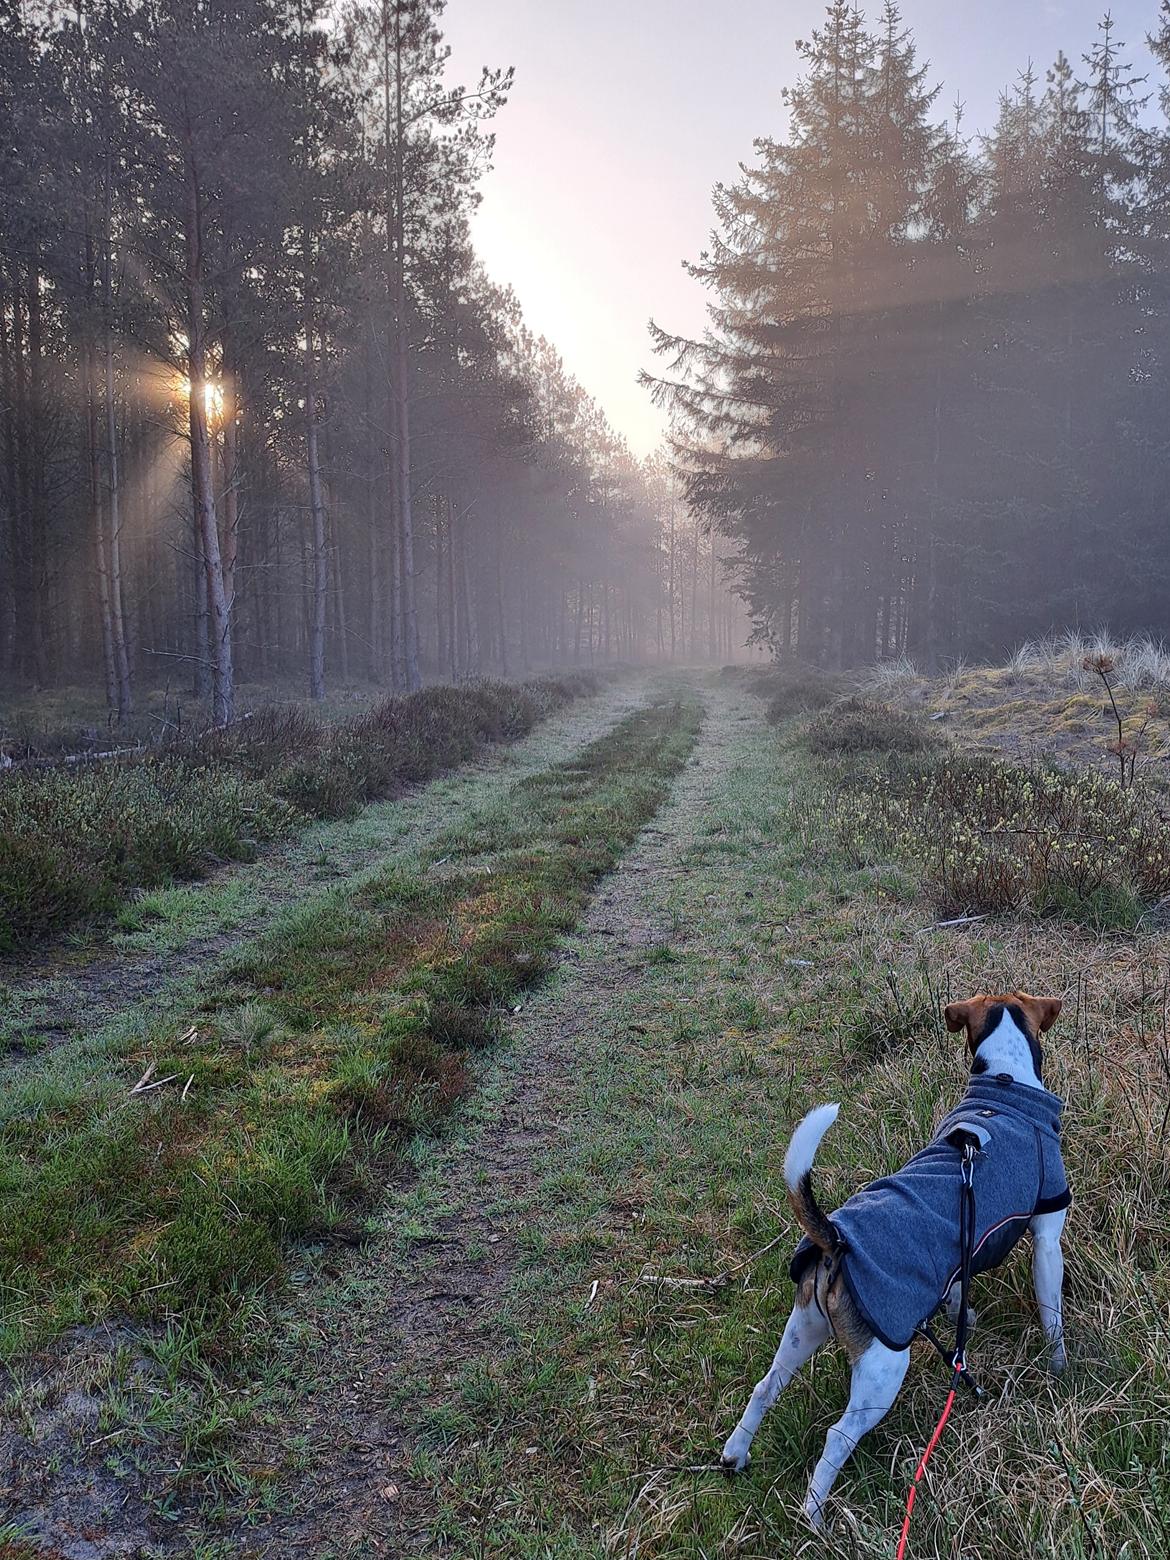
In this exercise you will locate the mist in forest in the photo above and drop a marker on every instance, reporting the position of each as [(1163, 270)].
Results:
[(267, 423)]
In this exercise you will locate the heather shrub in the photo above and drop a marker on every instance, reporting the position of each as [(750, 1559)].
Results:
[(797, 690), (76, 841), (858, 725)]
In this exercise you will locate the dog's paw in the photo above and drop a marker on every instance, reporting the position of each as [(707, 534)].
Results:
[(814, 1515), (737, 1453)]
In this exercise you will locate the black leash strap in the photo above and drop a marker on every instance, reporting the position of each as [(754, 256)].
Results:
[(957, 1360), (966, 1248)]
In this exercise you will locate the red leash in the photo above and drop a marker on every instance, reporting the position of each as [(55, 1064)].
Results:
[(921, 1469)]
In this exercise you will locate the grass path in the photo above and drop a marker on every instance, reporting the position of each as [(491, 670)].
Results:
[(501, 1375), (373, 1359), (171, 935)]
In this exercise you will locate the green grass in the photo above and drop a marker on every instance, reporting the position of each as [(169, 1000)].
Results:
[(325, 1047), (795, 978)]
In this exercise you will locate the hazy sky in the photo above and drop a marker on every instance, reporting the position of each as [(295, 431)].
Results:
[(626, 112)]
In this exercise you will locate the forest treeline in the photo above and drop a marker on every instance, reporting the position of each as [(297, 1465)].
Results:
[(931, 407), (261, 411)]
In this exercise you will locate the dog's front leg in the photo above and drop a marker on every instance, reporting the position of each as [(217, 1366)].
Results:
[(1048, 1277), (877, 1376), (805, 1331)]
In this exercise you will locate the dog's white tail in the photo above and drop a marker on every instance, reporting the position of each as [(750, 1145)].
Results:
[(798, 1163)]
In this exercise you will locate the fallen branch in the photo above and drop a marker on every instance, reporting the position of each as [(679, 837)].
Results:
[(958, 920), (73, 758)]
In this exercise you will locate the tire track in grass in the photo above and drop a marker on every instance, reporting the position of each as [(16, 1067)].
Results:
[(179, 1212), (375, 1387)]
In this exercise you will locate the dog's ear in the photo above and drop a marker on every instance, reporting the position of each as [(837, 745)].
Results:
[(1043, 1011), (958, 1015)]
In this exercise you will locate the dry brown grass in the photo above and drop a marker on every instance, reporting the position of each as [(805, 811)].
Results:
[(1043, 702)]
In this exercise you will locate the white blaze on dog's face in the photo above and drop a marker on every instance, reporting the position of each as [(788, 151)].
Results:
[(977, 1013)]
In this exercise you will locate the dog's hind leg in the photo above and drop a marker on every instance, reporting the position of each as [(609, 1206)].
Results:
[(1048, 1277), (953, 1307), (877, 1376), (805, 1331)]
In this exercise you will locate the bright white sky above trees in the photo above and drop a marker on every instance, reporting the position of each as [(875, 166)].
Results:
[(624, 114)]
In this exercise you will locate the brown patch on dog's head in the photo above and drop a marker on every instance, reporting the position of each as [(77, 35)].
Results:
[(1039, 1013)]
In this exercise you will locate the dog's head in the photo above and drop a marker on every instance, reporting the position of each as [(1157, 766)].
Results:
[(981, 1013)]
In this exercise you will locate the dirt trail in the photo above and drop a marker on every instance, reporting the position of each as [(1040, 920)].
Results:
[(71, 991), (424, 1312)]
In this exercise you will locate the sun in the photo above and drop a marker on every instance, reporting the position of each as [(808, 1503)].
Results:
[(212, 397)]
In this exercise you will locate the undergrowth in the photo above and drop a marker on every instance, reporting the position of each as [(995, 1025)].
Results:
[(992, 837), (790, 687), (76, 842), (273, 1116), (859, 725)]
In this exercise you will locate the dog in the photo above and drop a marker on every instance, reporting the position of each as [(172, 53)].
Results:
[(889, 1257)]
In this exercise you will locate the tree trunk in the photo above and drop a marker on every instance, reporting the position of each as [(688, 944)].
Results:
[(98, 527), (219, 612), (471, 627), (671, 590), (502, 626), (230, 409), (399, 346), (113, 478), (317, 518), (712, 633)]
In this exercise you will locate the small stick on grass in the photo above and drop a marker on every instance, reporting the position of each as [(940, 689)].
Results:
[(147, 1074), (717, 1281), (157, 1084)]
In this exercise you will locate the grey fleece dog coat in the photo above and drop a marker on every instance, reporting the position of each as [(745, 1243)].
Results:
[(901, 1233)]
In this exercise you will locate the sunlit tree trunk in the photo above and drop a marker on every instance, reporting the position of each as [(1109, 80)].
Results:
[(203, 494), (230, 474), (113, 477)]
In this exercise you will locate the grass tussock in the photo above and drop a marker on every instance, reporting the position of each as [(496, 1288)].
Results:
[(1142, 664), (860, 725), (273, 1116), (76, 842)]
